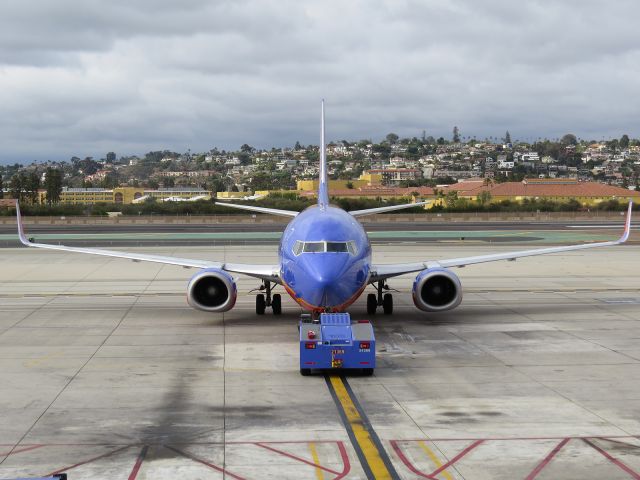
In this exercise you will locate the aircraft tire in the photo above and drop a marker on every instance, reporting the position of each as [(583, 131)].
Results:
[(261, 304), (387, 304), (276, 304), (372, 304)]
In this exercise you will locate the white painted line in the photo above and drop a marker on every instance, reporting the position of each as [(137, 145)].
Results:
[(598, 226)]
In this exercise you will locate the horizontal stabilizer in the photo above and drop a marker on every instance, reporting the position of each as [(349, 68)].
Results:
[(272, 211), (390, 208)]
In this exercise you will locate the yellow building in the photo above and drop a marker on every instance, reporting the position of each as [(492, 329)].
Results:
[(177, 194), (231, 195), (124, 195), (365, 180), (83, 196)]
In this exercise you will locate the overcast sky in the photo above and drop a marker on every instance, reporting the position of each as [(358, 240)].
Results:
[(83, 77)]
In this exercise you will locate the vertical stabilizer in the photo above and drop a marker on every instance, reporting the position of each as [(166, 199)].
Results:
[(323, 186)]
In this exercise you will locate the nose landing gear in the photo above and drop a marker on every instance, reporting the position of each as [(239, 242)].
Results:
[(264, 300), (380, 300)]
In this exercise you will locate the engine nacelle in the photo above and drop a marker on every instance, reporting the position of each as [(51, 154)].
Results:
[(437, 290), (212, 290)]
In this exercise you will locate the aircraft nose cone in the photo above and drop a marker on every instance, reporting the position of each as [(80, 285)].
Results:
[(326, 277)]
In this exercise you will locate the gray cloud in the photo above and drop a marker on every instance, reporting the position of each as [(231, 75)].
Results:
[(86, 77)]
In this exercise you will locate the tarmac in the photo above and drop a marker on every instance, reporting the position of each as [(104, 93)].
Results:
[(105, 373)]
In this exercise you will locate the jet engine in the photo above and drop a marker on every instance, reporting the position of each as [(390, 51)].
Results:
[(437, 290), (212, 290)]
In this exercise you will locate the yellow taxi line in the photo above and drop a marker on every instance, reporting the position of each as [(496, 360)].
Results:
[(316, 460), (436, 461), (367, 445)]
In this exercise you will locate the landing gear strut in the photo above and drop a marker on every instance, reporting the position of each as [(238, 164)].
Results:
[(264, 300), (380, 300)]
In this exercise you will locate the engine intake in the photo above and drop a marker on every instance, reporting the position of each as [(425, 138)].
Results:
[(212, 290), (437, 290)]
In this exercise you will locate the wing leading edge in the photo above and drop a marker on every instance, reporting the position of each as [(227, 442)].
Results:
[(380, 272), (390, 208), (251, 208), (267, 272)]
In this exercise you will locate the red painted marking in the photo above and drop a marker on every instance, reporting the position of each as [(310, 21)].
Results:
[(25, 449), (204, 462), (136, 467), (457, 457), (547, 459), (489, 439), (345, 460), (405, 460), (300, 459), (108, 454), (432, 475), (613, 460)]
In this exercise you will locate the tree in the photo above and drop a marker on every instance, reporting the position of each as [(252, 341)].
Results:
[(88, 166), (507, 137), (53, 185), (168, 182), (33, 184), (624, 141), (484, 197), (350, 185), (456, 135), (383, 149), (16, 187), (111, 157), (569, 139), (1, 187), (451, 198), (392, 138), (110, 180), (246, 148), (244, 157)]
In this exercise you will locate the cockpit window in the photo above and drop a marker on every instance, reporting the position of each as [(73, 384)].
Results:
[(336, 246), (314, 247), (325, 247)]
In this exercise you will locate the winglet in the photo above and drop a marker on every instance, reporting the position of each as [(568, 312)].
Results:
[(627, 224), (21, 234)]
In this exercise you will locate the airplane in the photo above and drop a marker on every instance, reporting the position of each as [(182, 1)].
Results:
[(324, 262)]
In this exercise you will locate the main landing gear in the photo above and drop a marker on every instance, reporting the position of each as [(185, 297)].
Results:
[(264, 300), (380, 300)]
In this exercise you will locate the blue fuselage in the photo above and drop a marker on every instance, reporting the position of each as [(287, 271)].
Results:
[(325, 258)]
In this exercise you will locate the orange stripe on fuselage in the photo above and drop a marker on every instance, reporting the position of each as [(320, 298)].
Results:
[(315, 308)]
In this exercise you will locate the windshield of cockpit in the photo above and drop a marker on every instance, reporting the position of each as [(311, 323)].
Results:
[(324, 247)]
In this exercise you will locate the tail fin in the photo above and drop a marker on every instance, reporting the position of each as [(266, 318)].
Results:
[(323, 186)]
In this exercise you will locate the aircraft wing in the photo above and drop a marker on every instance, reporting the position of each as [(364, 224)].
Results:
[(390, 208), (381, 272), (272, 211), (267, 272)]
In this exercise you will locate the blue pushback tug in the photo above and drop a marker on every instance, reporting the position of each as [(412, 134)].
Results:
[(335, 342)]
